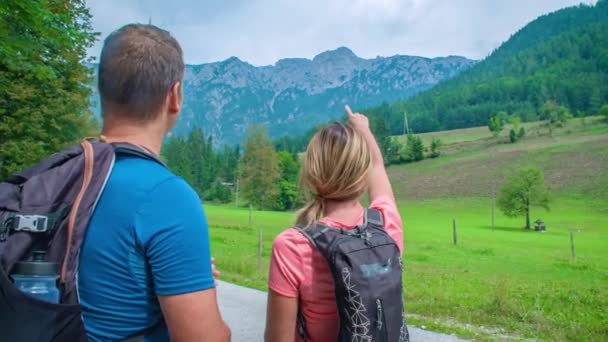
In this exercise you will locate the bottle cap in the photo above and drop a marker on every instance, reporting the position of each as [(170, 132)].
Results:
[(36, 266)]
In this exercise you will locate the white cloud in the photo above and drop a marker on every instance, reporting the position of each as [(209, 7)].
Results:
[(263, 31)]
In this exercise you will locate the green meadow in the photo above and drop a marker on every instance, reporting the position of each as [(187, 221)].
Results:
[(499, 281)]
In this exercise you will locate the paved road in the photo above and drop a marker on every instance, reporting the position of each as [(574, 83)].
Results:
[(245, 312)]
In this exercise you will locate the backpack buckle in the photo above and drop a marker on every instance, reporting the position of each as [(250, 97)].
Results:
[(29, 223)]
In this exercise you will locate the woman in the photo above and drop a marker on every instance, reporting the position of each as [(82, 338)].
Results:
[(342, 162)]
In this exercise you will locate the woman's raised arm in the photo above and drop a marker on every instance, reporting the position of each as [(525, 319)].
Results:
[(379, 185)]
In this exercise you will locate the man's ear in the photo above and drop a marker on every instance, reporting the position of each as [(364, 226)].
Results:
[(174, 98)]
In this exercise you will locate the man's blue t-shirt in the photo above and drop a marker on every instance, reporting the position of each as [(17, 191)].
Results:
[(148, 237)]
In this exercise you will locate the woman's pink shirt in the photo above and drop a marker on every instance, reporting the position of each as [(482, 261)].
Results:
[(297, 270)]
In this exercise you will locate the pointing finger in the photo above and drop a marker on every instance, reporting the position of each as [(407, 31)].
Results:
[(349, 112)]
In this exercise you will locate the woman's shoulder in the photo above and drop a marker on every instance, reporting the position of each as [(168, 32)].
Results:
[(383, 202), (289, 234), (288, 238), (290, 250)]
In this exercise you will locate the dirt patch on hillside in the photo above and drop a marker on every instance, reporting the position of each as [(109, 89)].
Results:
[(575, 163)]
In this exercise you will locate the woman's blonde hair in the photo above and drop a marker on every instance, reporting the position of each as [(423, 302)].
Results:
[(336, 167)]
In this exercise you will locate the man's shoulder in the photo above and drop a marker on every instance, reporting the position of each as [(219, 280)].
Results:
[(142, 177), (141, 166), (141, 172)]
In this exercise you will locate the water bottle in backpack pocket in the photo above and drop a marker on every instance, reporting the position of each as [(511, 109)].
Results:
[(37, 278)]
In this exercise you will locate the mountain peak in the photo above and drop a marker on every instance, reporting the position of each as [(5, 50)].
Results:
[(343, 50), (291, 62), (233, 60), (340, 54)]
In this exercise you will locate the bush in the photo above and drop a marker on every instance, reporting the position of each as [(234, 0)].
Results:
[(604, 111), (497, 123), (435, 145), (219, 193), (522, 133), (393, 151), (555, 115), (513, 137)]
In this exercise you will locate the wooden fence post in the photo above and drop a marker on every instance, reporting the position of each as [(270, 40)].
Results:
[(493, 205), (572, 251), (454, 233), (236, 199), (250, 216), (260, 243)]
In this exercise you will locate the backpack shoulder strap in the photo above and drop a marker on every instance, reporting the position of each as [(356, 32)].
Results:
[(373, 216), (302, 230), (89, 164), (301, 323), (312, 232)]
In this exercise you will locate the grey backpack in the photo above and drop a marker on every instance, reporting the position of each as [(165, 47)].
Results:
[(366, 266), (47, 208)]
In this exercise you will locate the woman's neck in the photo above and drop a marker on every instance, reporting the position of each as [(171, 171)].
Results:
[(346, 212)]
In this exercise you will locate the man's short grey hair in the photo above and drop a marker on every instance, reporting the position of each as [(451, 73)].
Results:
[(138, 66)]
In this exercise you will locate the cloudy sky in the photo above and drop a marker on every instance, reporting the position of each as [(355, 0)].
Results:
[(263, 31)]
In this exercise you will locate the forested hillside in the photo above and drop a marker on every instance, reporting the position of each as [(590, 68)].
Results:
[(560, 57)]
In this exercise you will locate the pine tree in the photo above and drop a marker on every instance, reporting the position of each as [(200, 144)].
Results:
[(436, 144), (382, 136), (198, 156), (414, 148), (595, 100), (175, 154), (229, 159)]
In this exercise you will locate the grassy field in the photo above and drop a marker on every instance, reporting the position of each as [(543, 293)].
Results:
[(513, 281)]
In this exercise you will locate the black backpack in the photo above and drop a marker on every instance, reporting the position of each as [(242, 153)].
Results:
[(47, 208), (366, 266)]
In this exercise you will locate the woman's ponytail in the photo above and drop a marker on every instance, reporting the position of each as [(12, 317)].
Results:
[(310, 212)]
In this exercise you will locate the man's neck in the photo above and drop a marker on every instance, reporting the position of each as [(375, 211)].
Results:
[(149, 136)]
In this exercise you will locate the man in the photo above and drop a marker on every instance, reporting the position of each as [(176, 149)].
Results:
[(145, 266)]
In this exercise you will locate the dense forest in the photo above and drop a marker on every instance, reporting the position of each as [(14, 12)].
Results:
[(209, 170), (44, 86), (259, 175), (561, 57)]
